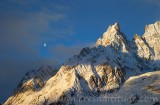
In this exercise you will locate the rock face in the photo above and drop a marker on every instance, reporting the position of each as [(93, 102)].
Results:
[(151, 37), (144, 50), (147, 44), (35, 79), (114, 37), (95, 72)]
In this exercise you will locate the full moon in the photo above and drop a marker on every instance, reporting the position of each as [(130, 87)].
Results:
[(45, 44)]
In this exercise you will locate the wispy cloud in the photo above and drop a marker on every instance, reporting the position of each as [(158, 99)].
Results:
[(24, 26), (63, 52), (154, 2)]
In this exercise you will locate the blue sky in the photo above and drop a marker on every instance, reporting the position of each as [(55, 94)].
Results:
[(65, 26)]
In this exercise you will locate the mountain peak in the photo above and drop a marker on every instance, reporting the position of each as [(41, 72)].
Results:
[(152, 29), (113, 37), (35, 79), (115, 26), (152, 37)]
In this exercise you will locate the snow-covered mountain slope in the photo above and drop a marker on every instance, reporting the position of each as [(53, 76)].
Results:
[(33, 80), (95, 72), (142, 89), (36, 78), (137, 90)]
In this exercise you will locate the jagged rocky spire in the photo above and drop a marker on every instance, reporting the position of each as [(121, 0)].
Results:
[(152, 39), (113, 37), (152, 29), (148, 45)]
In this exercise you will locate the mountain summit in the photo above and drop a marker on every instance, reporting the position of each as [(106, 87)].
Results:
[(114, 66), (114, 37)]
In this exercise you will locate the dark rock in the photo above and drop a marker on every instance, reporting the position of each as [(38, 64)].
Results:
[(85, 51), (134, 99), (156, 103)]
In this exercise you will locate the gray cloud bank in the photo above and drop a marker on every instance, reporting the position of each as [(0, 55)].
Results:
[(24, 27), (153, 2)]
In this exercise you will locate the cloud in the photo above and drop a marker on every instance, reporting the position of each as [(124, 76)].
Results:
[(27, 25), (24, 27), (33, 25), (63, 52), (154, 2)]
